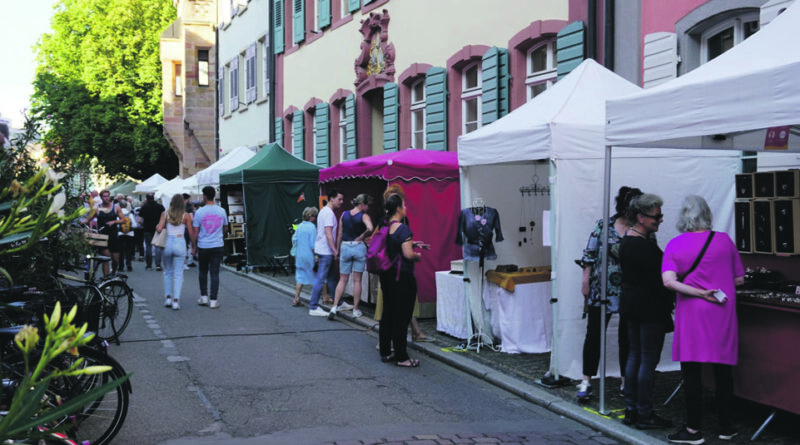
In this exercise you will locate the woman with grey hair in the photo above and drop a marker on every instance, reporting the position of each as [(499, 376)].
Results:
[(303, 252), (646, 305), (354, 226), (703, 268)]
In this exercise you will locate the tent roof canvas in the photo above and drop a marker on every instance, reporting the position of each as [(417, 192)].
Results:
[(407, 165), (726, 103), (125, 187), (271, 164), (150, 183), (575, 104), (237, 157)]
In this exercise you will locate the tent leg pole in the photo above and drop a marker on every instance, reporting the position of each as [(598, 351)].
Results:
[(604, 280)]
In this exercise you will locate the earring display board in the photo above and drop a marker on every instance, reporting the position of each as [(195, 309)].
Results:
[(786, 216), (764, 183), (762, 226), (787, 184), (744, 186), (743, 220)]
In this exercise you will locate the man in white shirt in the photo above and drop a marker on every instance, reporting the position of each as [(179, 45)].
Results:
[(325, 248)]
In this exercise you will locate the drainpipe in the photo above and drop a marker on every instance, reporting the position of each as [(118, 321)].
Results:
[(591, 29), (271, 72), (216, 99), (608, 35)]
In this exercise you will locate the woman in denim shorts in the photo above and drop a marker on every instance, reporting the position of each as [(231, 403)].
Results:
[(354, 226)]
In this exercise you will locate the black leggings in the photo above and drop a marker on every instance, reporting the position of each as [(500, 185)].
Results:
[(398, 307), (693, 393), (591, 344)]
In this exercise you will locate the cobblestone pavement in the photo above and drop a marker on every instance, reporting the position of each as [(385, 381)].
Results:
[(528, 368), (530, 438)]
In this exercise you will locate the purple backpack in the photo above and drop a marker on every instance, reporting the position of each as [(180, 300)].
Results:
[(378, 260)]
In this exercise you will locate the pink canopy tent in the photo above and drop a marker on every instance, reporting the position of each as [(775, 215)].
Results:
[(430, 182)]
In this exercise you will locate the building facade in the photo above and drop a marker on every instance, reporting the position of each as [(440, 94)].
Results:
[(188, 53), (245, 63)]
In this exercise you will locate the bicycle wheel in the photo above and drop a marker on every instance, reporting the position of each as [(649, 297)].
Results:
[(100, 421), (116, 309)]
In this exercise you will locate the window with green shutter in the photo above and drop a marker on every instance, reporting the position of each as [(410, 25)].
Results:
[(279, 130), (277, 26), (297, 134), (350, 104), (323, 13), (571, 48), (436, 109), (391, 108), (353, 5), (298, 21), (322, 137), (494, 103)]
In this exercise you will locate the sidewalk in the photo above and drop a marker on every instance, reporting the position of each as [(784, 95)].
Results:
[(518, 373)]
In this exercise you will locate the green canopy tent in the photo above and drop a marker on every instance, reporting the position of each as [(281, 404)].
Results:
[(276, 187), (126, 187)]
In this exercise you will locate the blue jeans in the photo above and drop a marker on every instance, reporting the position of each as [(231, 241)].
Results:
[(148, 250), (646, 339), (173, 259), (324, 274), (210, 260)]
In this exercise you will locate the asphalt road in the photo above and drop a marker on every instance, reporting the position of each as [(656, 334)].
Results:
[(259, 371)]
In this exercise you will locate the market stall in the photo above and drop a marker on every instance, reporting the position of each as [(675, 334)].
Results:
[(430, 181), (745, 99), (149, 184), (126, 187), (262, 197), (210, 175), (555, 143)]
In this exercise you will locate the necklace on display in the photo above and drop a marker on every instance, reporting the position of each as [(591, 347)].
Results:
[(640, 233)]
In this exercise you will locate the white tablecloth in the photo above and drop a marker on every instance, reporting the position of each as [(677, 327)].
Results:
[(523, 319), (451, 309)]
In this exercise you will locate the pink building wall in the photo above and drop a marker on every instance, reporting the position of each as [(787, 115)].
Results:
[(660, 16)]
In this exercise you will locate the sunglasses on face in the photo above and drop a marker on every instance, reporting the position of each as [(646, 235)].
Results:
[(657, 216)]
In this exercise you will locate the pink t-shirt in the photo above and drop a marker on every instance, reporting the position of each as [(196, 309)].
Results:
[(704, 331)]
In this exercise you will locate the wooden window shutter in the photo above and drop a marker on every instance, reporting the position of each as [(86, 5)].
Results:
[(571, 48), (234, 83), (350, 127), (221, 90), (353, 5), (660, 58), (323, 141), (250, 66), (279, 130), (324, 10), (297, 134), (436, 109), (391, 114), (494, 76), (277, 26), (298, 21)]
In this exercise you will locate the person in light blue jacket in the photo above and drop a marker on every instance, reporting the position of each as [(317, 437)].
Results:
[(303, 252)]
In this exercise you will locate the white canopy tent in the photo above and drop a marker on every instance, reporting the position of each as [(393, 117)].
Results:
[(727, 103), (557, 139), (210, 175), (149, 184), (165, 191)]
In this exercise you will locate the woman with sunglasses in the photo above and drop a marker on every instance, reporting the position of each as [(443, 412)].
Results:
[(646, 304)]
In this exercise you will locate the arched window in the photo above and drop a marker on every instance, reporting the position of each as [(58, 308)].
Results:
[(540, 69), (417, 111), (471, 98), (726, 34)]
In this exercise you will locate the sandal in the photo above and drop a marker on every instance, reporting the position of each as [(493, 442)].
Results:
[(421, 338), (327, 301), (410, 363), (297, 303), (388, 359)]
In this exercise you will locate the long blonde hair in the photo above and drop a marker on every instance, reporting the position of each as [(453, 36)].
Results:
[(176, 210)]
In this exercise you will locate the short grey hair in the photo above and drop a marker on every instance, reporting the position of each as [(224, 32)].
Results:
[(695, 215), (643, 205), (309, 212)]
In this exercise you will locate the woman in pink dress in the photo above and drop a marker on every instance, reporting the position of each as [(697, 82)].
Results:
[(705, 314)]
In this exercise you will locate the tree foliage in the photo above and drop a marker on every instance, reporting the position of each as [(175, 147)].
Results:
[(98, 86)]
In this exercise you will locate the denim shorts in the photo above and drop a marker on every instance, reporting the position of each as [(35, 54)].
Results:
[(353, 257)]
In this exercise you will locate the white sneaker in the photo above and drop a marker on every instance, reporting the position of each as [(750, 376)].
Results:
[(175, 305), (185, 267), (332, 313), (213, 304), (345, 306), (318, 312), (584, 389), (356, 313), (203, 301), (168, 302)]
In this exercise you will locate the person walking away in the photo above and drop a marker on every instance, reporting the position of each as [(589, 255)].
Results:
[(704, 268), (646, 304), (303, 241), (592, 262), (326, 249), (138, 231), (127, 253), (354, 226), (189, 257), (211, 224), (108, 217), (151, 213), (176, 221)]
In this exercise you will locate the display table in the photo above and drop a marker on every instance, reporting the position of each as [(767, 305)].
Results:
[(523, 319), (451, 308)]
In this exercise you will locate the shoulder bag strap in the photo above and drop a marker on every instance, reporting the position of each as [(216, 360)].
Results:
[(699, 256)]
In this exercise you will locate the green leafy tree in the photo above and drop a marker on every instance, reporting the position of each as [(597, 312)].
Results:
[(98, 87)]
